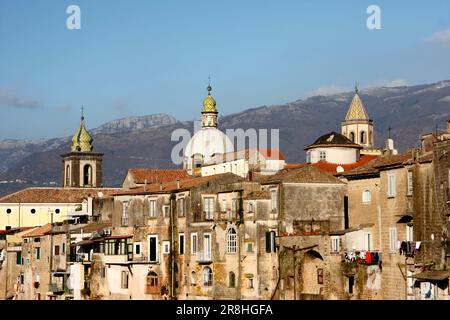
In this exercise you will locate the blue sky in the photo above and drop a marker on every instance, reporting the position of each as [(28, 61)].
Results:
[(144, 57)]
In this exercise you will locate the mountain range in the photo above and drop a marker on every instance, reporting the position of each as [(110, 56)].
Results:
[(145, 141)]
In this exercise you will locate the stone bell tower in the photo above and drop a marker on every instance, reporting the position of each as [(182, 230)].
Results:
[(82, 168)]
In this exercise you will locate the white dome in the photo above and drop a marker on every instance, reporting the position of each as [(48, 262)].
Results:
[(207, 142)]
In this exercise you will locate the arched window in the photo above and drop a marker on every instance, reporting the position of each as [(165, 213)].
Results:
[(370, 137), (152, 282), (362, 137), (231, 279), (207, 277), (193, 278), (366, 196), (352, 136), (250, 207), (87, 175), (231, 241), (67, 175)]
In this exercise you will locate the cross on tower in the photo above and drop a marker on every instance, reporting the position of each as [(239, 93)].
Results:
[(82, 112), (389, 132)]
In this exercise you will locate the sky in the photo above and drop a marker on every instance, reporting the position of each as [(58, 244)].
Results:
[(133, 58)]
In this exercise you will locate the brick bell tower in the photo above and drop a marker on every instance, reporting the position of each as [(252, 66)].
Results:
[(82, 168)]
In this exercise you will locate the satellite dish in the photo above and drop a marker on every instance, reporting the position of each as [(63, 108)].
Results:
[(100, 194), (339, 169)]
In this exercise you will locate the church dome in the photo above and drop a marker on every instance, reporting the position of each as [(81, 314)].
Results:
[(333, 139), (207, 142), (82, 141)]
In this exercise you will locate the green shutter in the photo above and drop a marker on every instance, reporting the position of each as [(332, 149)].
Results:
[(268, 242), (19, 257)]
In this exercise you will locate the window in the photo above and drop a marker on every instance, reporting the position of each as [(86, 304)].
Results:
[(117, 246), (152, 208), (57, 211), (103, 272), (125, 214), (393, 240), (153, 248), (193, 278), (207, 246), (181, 243), (250, 283), (366, 196), (38, 254), (208, 207), (137, 249), (231, 241), (64, 248), (362, 137), (56, 250), (166, 211), (193, 243), (231, 279), (335, 244), (224, 205), (308, 157), (352, 136), (124, 280), (67, 176), (33, 211), (250, 247), (234, 207), (368, 245), (152, 282), (25, 240), (181, 207), (197, 163), (409, 232), (87, 175), (391, 185), (166, 247), (250, 207), (37, 239), (322, 156), (409, 191), (22, 278), (270, 241), (351, 284), (207, 277), (8, 211), (273, 200), (19, 258)]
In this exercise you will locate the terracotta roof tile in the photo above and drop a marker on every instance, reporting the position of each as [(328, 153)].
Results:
[(41, 231), (157, 175), (307, 174), (55, 195), (91, 227), (269, 154)]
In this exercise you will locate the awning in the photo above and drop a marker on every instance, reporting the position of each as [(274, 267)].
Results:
[(405, 218), (117, 237), (84, 242), (436, 275)]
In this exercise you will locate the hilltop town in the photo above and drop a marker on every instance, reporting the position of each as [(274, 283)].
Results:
[(353, 222)]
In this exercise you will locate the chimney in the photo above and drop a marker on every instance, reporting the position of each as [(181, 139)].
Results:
[(178, 183), (145, 185), (389, 147), (160, 186)]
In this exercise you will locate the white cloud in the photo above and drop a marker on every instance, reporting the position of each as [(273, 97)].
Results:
[(442, 37), (396, 83), (8, 98), (328, 90)]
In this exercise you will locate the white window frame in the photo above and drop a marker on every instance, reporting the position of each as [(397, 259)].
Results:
[(207, 253), (274, 200), (335, 244), (409, 183), (136, 244), (409, 232), (166, 247), (156, 247), (125, 216), (322, 155), (181, 207), (308, 157), (366, 196), (194, 243), (208, 207), (368, 241), (393, 240), (224, 205), (251, 207), (392, 185), (231, 241), (152, 208), (250, 245), (181, 240), (234, 206), (207, 277)]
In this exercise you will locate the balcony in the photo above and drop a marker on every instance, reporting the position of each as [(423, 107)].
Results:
[(53, 287), (204, 257)]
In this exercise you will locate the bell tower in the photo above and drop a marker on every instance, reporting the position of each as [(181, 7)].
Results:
[(357, 126), (82, 168)]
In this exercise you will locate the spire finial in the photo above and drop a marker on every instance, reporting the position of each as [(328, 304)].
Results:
[(389, 132), (209, 85), (356, 88), (82, 112)]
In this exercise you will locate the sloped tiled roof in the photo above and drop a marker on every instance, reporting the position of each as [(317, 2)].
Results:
[(356, 111), (307, 174), (41, 231), (255, 195), (157, 175), (55, 195), (268, 154), (183, 184), (91, 227)]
